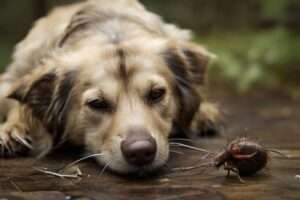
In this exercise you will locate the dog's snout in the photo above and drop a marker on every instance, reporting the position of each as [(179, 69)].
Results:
[(139, 148)]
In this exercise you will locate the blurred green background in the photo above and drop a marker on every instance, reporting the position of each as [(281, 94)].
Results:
[(257, 41)]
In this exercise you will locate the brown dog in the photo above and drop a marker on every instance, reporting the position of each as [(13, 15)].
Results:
[(109, 75)]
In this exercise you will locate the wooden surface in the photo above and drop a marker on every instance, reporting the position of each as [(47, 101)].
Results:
[(272, 119)]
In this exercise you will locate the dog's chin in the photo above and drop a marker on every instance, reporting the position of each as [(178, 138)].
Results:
[(121, 167), (138, 172)]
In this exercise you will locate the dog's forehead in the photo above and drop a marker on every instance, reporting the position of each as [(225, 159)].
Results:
[(118, 61)]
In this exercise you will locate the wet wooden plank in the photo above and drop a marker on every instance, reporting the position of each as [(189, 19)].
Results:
[(273, 121), (34, 196)]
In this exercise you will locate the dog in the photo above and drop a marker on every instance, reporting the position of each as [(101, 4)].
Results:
[(108, 75)]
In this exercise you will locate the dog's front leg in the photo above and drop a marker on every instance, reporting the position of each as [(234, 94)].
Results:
[(21, 134)]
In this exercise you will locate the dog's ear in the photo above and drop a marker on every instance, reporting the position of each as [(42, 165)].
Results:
[(37, 95), (188, 64), (48, 97)]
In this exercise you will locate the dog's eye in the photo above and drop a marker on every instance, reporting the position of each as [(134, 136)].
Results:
[(101, 105), (156, 95)]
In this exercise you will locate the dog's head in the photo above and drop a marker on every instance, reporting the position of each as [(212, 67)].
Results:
[(119, 99)]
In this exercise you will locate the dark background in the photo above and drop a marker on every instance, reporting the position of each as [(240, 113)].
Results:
[(257, 42)]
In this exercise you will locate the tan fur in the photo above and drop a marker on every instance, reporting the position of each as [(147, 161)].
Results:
[(112, 50)]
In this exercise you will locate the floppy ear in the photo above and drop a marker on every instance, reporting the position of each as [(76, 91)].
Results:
[(37, 95), (48, 97), (189, 65)]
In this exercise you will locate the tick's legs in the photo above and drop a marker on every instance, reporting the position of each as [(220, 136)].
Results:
[(233, 169)]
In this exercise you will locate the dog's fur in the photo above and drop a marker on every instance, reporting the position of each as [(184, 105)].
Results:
[(84, 74)]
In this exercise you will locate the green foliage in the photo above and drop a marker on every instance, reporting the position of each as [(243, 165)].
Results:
[(264, 55), (266, 58), (275, 8)]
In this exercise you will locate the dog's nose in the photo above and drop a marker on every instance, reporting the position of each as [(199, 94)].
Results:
[(139, 148)]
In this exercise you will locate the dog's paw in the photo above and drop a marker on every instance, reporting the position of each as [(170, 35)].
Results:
[(208, 129), (208, 121), (14, 140)]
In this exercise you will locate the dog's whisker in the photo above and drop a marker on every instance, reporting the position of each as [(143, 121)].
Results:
[(55, 173), (189, 147), (177, 152), (103, 169), (181, 139), (81, 159)]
